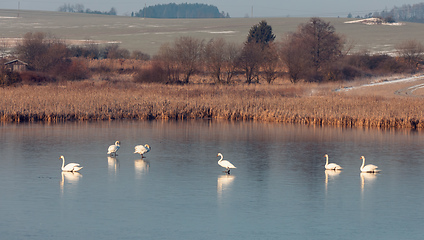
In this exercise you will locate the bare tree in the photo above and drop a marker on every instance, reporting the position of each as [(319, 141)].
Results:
[(189, 52), (270, 63), (114, 52), (292, 55), (215, 58), (232, 55), (139, 55), (168, 61), (221, 59), (318, 46), (250, 61), (411, 52), (42, 53)]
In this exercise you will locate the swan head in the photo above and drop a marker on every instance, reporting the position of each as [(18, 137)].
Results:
[(62, 157), (219, 155), (147, 146), (117, 143), (326, 155), (362, 157)]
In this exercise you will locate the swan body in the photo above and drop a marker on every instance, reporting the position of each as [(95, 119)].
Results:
[(70, 167), (331, 166), (370, 168), (225, 164), (142, 149), (113, 148)]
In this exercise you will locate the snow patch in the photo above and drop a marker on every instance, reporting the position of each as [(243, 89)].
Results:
[(383, 82), (374, 21), (223, 32)]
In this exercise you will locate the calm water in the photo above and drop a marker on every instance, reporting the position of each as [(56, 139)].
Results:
[(278, 191)]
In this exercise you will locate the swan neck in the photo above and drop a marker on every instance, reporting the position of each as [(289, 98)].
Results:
[(63, 162), (363, 162), (221, 157), (326, 160)]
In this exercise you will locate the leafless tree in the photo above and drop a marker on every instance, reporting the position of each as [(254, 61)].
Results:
[(41, 52), (188, 50), (221, 59), (319, 46), (168, 60), (270, 62), (233, 52), (114, 52), (250, 61), (292, 55), (139, 55), (412, 52)]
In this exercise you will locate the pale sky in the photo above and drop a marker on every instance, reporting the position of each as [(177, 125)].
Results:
[(236, 8)]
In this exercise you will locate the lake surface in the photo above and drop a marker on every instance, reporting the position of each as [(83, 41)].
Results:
[(279, 189)]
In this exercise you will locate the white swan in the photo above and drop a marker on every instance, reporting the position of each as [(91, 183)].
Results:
[(70, 167), (331, 166), (225, 164), (368, 168), (142, 149), (113, 148)]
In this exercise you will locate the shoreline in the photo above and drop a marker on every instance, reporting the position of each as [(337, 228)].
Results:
[(343, 121)]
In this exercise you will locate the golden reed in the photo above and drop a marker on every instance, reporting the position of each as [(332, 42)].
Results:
[(300, 103)]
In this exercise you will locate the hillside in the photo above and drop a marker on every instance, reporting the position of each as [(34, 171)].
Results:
[(147, 34)]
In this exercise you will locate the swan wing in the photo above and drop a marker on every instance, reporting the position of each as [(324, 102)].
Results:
[(333, 166), (141, 149), (370, 168), (112, 149), (77, 168), (70, 167), (226, 164)]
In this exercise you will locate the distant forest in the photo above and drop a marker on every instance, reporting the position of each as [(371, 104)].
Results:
[(184, 10), (405, 13), (79, 8)]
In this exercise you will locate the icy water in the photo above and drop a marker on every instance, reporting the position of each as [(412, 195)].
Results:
[(279, 189)]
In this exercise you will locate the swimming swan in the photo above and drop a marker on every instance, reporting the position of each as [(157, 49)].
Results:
[(70, 167), (331, 166), (142, 149), (113, 148), (225, 164), (368, 168)]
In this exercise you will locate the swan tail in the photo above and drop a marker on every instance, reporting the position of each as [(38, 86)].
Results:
[(76, 169)]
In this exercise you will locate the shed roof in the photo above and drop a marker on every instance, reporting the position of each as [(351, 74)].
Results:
[(16, 61)]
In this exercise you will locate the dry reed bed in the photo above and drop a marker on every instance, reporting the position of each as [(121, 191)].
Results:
[(306, 104)]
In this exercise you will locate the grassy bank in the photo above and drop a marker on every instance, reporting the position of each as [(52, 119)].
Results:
[(300, 103)]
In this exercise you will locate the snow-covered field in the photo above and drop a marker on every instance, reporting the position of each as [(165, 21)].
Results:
[(148, 35)]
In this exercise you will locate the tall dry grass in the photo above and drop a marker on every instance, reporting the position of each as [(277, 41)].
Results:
[(301, 103)]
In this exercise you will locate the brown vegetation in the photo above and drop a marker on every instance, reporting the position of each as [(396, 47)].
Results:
[(306, 103)]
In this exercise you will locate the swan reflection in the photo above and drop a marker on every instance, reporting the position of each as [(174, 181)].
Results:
[(223, 183), (141, 167), (367, 178), (330, 174), (113, 165), (70, 178)]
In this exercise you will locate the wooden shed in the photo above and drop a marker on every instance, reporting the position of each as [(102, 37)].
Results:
[(16, 65)]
